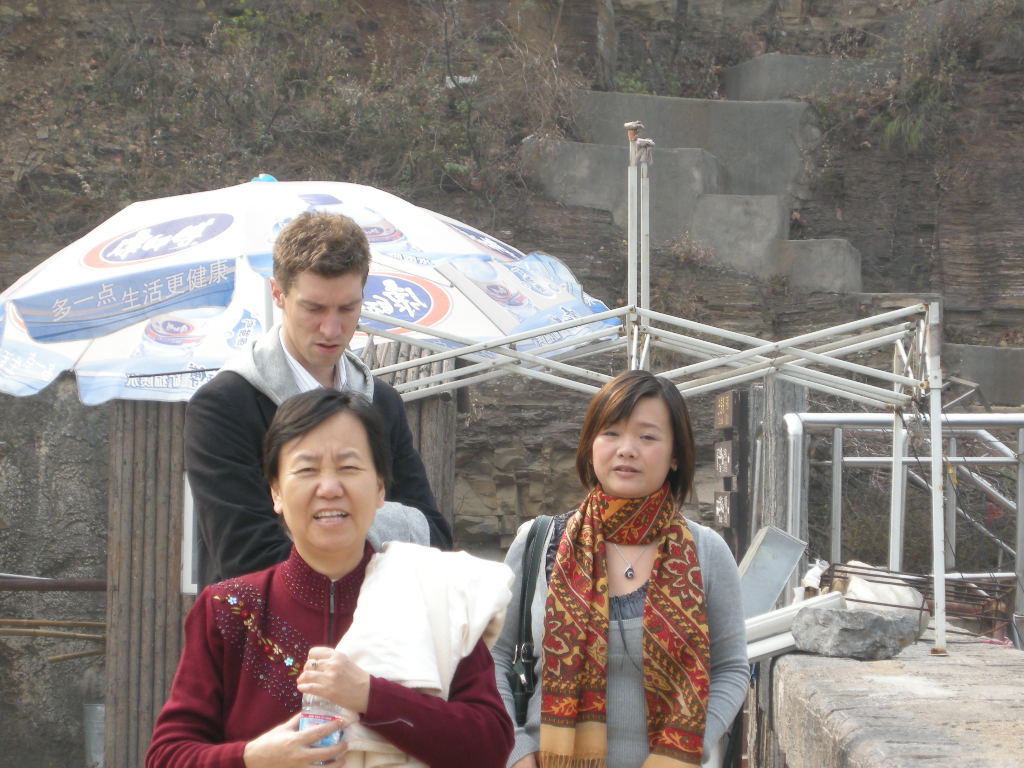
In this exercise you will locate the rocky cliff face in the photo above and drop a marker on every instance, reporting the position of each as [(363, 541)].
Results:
[(73, 149)]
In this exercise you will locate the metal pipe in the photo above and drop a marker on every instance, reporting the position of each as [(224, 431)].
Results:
[(484, 364), (855, 419), (841, 392), (921, 482), (645, 352), (497, 348), (31, 584), (854, 367), (470, 346), (986, 487), (836, 542), (419, 394), (632, 223), (776, 645), (884, 461), (781, 619), (897, 484), (645, 155), (634, 343), (951, 508), (991, 576), (722, 333), (794, 489), (860, 342), (866, 390), (1019, 559), (933, 366), (783, 346), (995, 443)]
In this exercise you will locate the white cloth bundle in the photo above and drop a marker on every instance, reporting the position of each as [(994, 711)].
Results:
[(420, 612)]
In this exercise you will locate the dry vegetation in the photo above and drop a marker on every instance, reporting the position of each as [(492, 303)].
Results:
[(415, 97)]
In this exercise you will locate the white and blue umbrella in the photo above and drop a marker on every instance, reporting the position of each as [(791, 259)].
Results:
[(151, 303)]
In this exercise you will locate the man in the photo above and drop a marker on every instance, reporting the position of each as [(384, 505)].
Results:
[(321, 262)]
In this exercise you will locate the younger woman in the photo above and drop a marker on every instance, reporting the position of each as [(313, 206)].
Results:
[(637, 610)]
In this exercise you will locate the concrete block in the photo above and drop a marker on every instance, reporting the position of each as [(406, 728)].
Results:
[(741, 230), (595, 176), (999, 371), (764, 146), (781, 76), (828, 266), (914, 711)]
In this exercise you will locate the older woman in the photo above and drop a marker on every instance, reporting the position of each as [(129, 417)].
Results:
[(637, 609), (238, 688)]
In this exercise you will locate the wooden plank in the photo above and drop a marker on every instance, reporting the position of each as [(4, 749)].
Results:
[(146, 528), (724, 418), (145, 609), (437, 425), (725, 458), (134, 525), (432, 420), (179, 604), (725, 502), (115, 753), (164, 545)]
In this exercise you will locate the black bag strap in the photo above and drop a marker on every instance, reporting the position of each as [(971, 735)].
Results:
[(535, 540), (522, 677)]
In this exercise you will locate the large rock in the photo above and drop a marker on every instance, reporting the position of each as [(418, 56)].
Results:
[(854, 634)]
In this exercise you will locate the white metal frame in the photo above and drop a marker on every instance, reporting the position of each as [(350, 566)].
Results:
[(724, 358), (952, 425)]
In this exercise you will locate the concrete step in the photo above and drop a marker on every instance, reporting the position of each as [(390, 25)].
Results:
[(749, 233), (724, 174), (781, 76), (594, 176), (741, 230), (763, 146), (998, 371), (827, 265)]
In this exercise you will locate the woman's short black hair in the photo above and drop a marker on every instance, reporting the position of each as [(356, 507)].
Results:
[(615, 401), (301, 414)]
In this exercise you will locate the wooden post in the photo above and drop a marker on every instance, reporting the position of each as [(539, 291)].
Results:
[(732, 502), (432, 420), (145, 607), (780, 397)]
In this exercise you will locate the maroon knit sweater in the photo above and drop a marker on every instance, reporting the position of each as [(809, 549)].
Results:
[(246, 640)]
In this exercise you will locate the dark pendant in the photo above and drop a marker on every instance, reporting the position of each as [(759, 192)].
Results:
[(629, 573)]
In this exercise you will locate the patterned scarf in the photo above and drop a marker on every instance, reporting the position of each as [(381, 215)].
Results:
[(676, 651)]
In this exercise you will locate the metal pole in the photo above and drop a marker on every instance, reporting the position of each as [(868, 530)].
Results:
[(1018, 560), (794, 472), (837, 495), (897, 495), (960, 421), (951, 510), (644, 156), (934, 369), (632, 181)]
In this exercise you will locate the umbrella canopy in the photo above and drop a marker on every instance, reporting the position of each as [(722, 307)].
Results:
[(151, 303)]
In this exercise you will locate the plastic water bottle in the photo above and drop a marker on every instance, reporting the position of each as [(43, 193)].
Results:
[(317, 711)]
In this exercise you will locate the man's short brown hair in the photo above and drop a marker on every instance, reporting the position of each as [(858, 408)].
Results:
[(327, 244)]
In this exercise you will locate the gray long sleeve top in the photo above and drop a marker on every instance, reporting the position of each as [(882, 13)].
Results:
[(730, 672)]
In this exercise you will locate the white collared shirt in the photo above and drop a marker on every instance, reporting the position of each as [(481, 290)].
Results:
[(303, 378)]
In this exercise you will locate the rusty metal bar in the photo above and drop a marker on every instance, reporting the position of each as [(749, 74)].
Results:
[(53, 585)]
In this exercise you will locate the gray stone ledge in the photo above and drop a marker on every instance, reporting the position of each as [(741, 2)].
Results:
[(913, 711)]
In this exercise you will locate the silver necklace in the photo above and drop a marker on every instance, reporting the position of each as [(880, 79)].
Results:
[(630, 573)]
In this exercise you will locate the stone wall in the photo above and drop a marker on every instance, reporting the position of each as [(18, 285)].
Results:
[(53, 523)]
